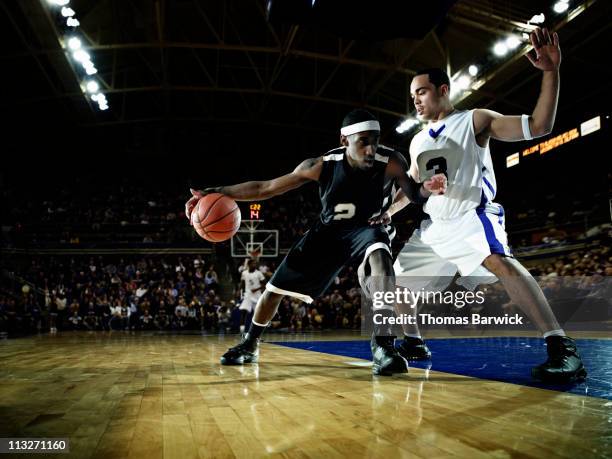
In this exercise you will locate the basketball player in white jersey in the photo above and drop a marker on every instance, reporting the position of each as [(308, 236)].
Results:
[(252, 284), (465, 232)]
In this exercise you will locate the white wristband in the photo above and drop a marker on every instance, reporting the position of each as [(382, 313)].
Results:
[(525, 124)]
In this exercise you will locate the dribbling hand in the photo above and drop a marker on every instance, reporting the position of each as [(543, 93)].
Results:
[(196, 195)]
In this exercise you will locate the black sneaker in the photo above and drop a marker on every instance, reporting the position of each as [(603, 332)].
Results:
[(386, 360), (413, 349), (563, 365), (247, 351)]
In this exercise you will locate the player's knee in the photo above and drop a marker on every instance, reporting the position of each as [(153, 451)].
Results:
[(500, 265), (269, 299), (381, 263)]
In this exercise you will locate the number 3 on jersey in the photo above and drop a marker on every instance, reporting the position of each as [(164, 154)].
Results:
[(344, 211), (437, 165)]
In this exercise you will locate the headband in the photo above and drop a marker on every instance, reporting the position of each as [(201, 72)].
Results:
[(371, 125)]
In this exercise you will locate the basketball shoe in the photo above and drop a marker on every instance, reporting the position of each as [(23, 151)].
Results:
[(413, 349), (386, 359), (563, 363), (247, 351)]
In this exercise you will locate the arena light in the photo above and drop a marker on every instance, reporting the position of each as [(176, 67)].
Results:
[(81, 56), (92, 86), (463, 82), (74, 44), (512, 42), (76, 49), (473, 70), (561, 6), (407, 125), (537, 19), (500, 49), (67, 12)]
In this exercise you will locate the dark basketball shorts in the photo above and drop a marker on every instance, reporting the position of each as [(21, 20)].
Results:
[(318, 257)]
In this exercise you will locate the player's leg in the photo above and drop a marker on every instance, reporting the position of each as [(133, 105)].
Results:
[(247, 351), (418, 267), (385, 358), (563, 362)]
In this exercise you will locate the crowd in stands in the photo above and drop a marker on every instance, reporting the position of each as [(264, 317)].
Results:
[(172, 293), (159, 293), (138, 215)]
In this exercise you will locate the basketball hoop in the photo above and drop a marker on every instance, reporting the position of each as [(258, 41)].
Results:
[(255, 253)]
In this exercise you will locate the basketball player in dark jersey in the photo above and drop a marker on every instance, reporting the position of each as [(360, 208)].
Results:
[(356, 182)]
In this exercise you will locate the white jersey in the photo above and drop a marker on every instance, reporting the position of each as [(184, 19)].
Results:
[(449, 146), (252, 280)]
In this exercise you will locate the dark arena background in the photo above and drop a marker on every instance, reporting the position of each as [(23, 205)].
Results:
[(114, 313)]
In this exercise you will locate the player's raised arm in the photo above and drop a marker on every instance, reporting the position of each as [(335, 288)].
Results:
[(488, 123), (308, 170)]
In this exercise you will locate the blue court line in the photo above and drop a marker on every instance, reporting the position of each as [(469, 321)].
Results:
[(506, 359)]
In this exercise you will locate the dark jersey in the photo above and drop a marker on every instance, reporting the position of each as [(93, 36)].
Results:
[(349, 196)]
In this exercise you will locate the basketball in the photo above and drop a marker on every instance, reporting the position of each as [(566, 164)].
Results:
[(216, 217)]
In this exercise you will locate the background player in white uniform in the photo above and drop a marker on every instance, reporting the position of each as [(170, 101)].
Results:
[(466, 232), (252, 283)]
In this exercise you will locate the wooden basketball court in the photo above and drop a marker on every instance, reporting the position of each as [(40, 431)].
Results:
[(122, 395)]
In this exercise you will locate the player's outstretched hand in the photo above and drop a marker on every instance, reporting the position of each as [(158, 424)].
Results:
[(384, 219), (437, 184), (547, 50)]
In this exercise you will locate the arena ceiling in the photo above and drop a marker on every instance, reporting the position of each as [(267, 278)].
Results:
[(222, 63)]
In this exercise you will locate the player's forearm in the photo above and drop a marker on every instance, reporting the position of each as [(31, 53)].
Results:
[(545, 110), (398, 205), (247, 191)]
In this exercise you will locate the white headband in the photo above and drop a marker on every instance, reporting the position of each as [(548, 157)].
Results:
[(371, 125)]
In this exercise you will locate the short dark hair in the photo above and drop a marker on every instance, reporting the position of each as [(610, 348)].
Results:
[(357, 116), (436, 75)]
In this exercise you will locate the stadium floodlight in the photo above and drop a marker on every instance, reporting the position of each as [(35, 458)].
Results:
[(561, 6), (92, 86), (406, 125), (91, 70), (81, 56), (59, 2), (72, 22), (500, 49), (105, 107), (463, 82), (512, 42), (537, 19), (473, 70), (96, 96), (67, 12), (74, 43)]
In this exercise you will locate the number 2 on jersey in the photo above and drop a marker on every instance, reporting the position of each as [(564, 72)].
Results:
[(345, 210)]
